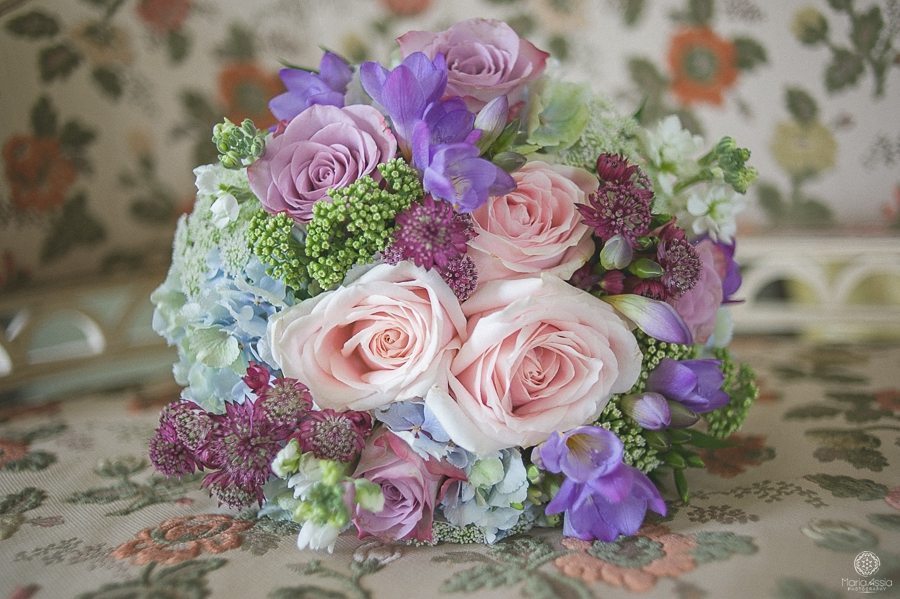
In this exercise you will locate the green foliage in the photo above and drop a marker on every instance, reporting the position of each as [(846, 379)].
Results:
[(109, 80), (358, 222), (750, 53), (57, 61), (44, 120), (740, 384), (801, 105), (844, 70)]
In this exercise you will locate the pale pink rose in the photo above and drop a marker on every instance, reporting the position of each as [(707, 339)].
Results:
[(411, 487), (541, 356), (698, 306), (323, 147), (536, 227), (388, 336), (485, 59)]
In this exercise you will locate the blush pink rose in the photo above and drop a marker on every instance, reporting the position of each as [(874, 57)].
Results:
[(485, 59), (411, 487), (541, 356), (321, 148), (388, 336), (535, 228), (699, 305)]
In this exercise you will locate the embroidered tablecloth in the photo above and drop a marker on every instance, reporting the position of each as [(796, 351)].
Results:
[(805, 503)]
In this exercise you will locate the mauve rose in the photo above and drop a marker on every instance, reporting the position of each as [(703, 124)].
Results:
[(321, 148), (541, 356), (388, 336), (411, 487), (485, 59), (698, 306), (535, 228)]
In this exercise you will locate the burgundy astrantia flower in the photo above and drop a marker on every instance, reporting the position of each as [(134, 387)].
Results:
[(241, 446), (257, 377), (285, 402), (168, 454), (431, 234), (680, 262), (461, 275), (615, 168), (621, 205), (332, 435)]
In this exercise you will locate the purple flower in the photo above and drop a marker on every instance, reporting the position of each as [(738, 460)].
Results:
[(406, 91), (695, 384), (461, 275), (305, 88), (601, 496), (178, 439), (455, 173), (650, 410), (431, 234), (615, 168), (679, 260), (618, 209), (331, 435), (284, 402)]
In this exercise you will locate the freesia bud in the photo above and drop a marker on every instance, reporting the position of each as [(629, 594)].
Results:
[(650, 410), (491, 120), (616, 253)]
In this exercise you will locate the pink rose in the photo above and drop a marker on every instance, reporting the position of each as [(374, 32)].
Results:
[(535, 228), (698, 306), (485, 59), (541, 356), (321, 148), (411, 487), (388, 336)]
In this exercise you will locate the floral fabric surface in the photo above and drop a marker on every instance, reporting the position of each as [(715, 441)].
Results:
[(113, 100), (808, 486)]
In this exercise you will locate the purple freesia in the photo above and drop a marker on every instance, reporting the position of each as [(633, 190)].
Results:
[(657, 319), (650, 410), (455, 173), (602, 497), (305, 88), (732, 280), (695, 384)]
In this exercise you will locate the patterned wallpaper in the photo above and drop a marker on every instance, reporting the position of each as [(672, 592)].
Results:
[(108, 104)]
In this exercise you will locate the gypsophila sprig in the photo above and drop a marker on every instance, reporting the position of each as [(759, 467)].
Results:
[(358, 222), (238, 146)]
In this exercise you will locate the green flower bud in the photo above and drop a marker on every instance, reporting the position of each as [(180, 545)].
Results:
[(368, 495)]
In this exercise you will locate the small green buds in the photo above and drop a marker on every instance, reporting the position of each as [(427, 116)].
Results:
[(238, 146)]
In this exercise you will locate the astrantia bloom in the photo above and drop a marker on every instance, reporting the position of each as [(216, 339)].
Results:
[(618, 209), (601, 496), (615, 168), (242, 445), (431, 234), (331, 435), (169, 455), (461, 275), (680, 262), (285, 402)]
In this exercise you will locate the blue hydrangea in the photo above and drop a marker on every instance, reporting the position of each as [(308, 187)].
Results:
[(414, 422)]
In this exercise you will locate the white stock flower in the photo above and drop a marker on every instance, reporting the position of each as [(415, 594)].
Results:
[(224, 210), (712, 212), (670, 146), (317, 536)]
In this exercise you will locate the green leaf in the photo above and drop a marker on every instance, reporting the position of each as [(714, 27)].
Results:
[(885, 521), (109, 81), (177, 44), (44, 120), (801, 105), (681, 485), (34, 24), (867, 29), (862, 489), (240, 43), (28, 498), (845, 69), (812, 411), (700, 11), (704, 441), (57, 61), (632, 11), (770, 200), (648, 79), (750, 53), (73, 227), (200, 110), (74, 136)]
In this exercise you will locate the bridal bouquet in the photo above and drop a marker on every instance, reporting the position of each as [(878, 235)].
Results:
[(452, 299)]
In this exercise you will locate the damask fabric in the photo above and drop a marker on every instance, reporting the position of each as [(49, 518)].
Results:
[(113, 102), (789, 510)]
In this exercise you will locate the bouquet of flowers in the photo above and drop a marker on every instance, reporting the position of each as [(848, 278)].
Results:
[(451, 300)]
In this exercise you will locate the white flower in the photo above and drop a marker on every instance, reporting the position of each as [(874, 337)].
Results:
[(287, 460), (224, 210), (714, 212), (670, 146), (211, 178), (317, 536), (309, 473)]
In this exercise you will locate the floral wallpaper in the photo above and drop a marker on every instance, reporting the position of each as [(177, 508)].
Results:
[(108, 104)]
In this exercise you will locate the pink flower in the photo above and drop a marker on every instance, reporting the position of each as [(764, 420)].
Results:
[(411, 488), (541, 356), (485, 59), (698, 306), (321, 148), (389, 336), (535, 228)]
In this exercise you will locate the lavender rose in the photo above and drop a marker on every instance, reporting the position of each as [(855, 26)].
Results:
[(411, 487), (485, 59), (322, 148)]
